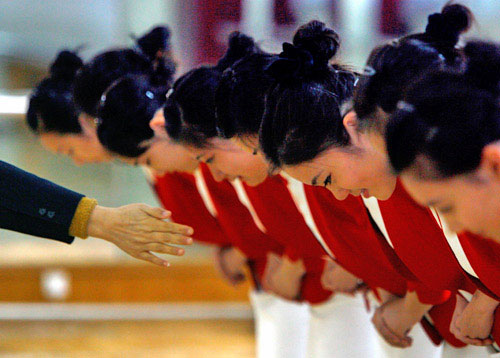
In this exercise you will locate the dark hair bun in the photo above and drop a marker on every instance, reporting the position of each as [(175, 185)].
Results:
[(66, 65), (483, 65), (321, 41), (446, 27), (155, 40), (239, 45)]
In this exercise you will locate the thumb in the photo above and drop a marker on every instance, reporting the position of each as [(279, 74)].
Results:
[(158, 213)]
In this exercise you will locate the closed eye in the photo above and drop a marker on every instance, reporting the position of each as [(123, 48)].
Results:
[(328, 180), (446, 210), (210, 160)]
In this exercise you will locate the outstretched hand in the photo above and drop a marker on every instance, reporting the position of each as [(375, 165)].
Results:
[(139, 230)]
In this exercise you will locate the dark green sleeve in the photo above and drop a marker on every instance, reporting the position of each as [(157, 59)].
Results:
[(35, 206)]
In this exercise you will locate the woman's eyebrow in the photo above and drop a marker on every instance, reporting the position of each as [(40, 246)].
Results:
[(314, 180), (432, 202)]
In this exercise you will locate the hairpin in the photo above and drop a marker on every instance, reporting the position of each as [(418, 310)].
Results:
[(346, 107), (368, 71), (169, 93), (150, 95), (405, 106)]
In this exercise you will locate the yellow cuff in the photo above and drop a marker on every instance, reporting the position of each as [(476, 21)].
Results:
[(80, 221)]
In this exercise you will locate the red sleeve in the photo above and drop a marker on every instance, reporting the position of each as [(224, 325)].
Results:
[(276, 209), (441, 316), (428, 296), (312, 290), (178, 193), (483, 255), (346, 228), (292, 253), (235, 219)]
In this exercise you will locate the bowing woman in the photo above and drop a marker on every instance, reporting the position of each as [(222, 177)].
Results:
[(452, 121), (306, 134)]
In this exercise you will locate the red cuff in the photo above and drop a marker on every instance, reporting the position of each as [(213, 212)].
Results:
[(428, 296)]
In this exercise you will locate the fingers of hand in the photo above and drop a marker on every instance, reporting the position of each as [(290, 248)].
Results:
[(147, 256), (158, 213), (467, 334), (235, 278), (219, 265), (164, 249), (155, 225), (389, 336), (476, 341), (232, 277), (165, 238)]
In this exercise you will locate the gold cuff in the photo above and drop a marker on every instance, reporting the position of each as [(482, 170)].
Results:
[(80, 221)]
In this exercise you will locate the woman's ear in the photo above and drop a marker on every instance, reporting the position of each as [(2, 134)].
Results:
[(157, 124), (87, 123), (350, 122), (490, 160)]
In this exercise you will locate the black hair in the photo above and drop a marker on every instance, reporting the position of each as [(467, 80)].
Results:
[(391, 67), (240, 96), (51, 107), (155, 42), (190, 108), (125, 112), (104, 69), (303, 108), (448, 117)]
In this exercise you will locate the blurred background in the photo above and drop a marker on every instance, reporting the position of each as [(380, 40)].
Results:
[(87, 297)]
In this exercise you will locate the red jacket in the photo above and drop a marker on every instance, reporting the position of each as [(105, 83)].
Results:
[(238, 223), (483, 255), (178, 193), (215, 213), (278, 213), (418, 239), (346, 228), (420, 243), (363, 250)]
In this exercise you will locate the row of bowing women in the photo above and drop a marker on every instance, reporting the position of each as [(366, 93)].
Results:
[(337, 188)]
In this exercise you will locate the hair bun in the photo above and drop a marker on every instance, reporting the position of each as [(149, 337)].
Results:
[(447, 26), (483, 65), (66, 65), (321, 41), (155, 40), (239, 45), (294, 63)]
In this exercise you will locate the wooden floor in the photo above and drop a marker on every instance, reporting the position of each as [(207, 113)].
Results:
[(152, 339)]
